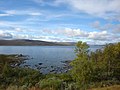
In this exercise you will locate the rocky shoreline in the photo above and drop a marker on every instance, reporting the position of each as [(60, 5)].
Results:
[(16, 60), (13, 59), (55, 69)]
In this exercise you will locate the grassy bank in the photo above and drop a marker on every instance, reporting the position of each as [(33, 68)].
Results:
[(115, 87)]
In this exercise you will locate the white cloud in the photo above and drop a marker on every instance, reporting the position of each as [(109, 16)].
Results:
[(74, 32), (94, 36), (98, 35), (108, 9), (5, 35), (95, 24), (2, 15), (18, 29), (4, 23), (21, 36), (67, 32), (21, 12), (115, 28)]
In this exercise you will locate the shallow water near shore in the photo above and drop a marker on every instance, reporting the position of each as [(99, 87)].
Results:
[(45, 57)]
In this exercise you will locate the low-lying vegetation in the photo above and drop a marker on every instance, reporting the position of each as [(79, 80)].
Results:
[(114, 87), (89, 70)]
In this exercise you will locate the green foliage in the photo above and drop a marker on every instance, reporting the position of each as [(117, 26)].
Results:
[(16, 88), (98, 66), (82, 66), (58, 82), (3, 59), (112, 58), (7, 59), (6, 72), (19, 76), (51, 83)]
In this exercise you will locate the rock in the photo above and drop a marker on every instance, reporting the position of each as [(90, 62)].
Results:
[(26, 65), (40, 63), (20, 55), (52, 70), (52, 66), (66, 62)]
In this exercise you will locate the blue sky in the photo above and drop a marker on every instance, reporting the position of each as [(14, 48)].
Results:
[(92, 21)]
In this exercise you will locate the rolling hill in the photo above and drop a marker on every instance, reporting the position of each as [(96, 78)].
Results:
[(26, 42)]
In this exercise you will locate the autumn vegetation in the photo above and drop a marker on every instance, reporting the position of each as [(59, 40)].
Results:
[(89, 70)]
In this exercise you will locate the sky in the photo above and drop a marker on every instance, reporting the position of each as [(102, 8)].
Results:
[(91, 21)]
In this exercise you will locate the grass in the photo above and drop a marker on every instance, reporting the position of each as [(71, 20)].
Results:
[(115, 87)]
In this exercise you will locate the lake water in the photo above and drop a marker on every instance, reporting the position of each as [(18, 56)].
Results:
[(48, 55)]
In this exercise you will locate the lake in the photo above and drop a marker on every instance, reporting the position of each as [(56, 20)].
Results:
[(48, 55)]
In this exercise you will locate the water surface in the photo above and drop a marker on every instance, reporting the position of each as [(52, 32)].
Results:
[(48, 55)]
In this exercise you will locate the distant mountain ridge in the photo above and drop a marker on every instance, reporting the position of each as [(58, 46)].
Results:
[(27, 42)]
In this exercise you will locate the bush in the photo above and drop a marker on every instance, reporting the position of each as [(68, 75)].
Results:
[(98, 66), (51, 83)]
